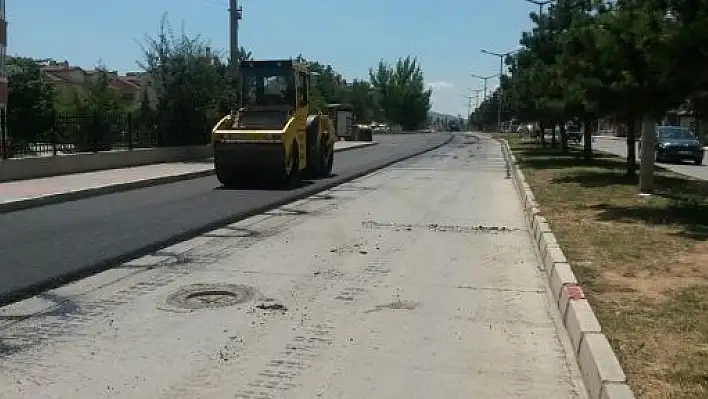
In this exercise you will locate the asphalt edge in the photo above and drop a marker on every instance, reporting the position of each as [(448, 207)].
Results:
[(34, 289), (600, 368), (363, 144), (58, 198)]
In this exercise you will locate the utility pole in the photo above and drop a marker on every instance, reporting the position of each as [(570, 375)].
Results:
[(235, 14), (484, 79), (501, 72)]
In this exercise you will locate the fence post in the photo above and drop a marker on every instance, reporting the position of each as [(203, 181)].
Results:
[(54, 131), (95, 126), (130, 131), (4, 141), (4, 144)]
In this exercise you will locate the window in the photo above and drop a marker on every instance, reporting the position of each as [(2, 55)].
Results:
[(675, 133), (266, 87), (275, 85)]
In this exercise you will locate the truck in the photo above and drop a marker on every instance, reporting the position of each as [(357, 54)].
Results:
[(274, 137), (455, 126)]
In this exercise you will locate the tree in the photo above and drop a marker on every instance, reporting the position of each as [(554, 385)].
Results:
[(328, 87), (143, 121), (324, 84), (629, 60), (578, 66), (31, 116), (96, 113), (230, 96), (401, 92), (635, 39), (360, 95), (190, 85)]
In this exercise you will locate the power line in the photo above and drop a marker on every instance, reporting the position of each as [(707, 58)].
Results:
[(220, 3)]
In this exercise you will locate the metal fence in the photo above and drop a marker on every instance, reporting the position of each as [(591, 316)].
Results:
[(81, 133)]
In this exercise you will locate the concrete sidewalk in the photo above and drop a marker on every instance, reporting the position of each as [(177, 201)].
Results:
[(619, 148), (31, 193), (418, 281), (623, 139)]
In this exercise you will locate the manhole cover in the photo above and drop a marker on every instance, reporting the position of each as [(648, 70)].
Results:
[(209, 296)]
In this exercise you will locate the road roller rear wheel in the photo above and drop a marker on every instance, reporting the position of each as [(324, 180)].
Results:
[(228, 177)]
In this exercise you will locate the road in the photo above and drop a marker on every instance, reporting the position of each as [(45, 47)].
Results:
[(41, 244), (619, 147), (418, 281)]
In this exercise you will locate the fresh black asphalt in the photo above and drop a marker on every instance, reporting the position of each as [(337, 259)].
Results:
[(49, 245)]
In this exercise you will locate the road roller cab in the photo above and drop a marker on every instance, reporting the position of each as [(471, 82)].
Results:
[(273, 136)]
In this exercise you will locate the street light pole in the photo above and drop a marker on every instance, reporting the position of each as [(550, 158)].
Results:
[(484, 79), (501, 72), (540, 5), (235, 15)]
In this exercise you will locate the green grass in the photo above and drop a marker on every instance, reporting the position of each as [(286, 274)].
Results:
[(643, 262)]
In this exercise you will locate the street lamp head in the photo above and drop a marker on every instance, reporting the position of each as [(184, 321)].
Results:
[(539, 3), (474, 75), (502, 55)]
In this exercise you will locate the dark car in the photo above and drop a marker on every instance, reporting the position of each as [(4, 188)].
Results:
[(675, 143)]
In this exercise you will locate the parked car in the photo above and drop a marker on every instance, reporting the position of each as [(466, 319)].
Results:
[(676, 143)]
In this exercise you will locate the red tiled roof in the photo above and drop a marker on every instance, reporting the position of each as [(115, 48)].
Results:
[(123, 83), (60, 68)]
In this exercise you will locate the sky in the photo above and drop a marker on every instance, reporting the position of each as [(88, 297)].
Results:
[(352, 36)]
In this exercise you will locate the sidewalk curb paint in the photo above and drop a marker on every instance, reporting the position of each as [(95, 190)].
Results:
[(51, 199), (601, 371), (33, 289)]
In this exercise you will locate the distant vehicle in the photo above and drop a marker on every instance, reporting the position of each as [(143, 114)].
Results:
[(380, 127), (454, 126), (676, 143)]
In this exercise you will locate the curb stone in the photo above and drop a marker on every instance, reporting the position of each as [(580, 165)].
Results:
[(57, 198), (601, 371)]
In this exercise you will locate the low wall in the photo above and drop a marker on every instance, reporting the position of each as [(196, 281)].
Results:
[(35, 167)]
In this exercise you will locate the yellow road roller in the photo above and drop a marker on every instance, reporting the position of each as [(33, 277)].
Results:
[(273, 137)]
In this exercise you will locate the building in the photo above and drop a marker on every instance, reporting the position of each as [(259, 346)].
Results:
[(4, 139), (70, 80)]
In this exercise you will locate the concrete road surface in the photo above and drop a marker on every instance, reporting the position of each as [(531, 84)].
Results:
[(418, 281), (40, 244), (619, 147)]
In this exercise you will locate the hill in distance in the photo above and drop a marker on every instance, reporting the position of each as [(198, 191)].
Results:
[(444, 117)]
